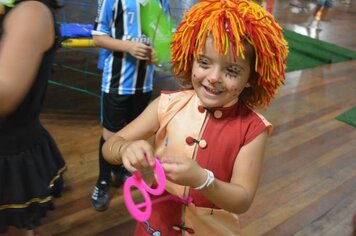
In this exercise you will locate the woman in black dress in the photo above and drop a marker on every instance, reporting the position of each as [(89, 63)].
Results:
[(31, 165)]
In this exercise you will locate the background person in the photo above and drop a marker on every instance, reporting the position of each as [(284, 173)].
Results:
[(127, 81), (31, 165)]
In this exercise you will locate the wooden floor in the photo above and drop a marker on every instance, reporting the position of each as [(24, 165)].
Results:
[(309, 180)]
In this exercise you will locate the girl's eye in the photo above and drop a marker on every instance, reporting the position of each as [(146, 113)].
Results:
[(233, 72), (203, 63)]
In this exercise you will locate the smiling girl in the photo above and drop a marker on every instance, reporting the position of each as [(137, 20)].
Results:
[(209, 139)]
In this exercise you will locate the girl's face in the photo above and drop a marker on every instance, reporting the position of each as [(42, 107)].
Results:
[(218, 80)]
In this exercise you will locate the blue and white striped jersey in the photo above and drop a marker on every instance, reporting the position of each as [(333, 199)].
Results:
[(122, 73)]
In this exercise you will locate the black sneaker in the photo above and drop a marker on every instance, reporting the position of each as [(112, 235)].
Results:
[(120, 175), (100, 196)]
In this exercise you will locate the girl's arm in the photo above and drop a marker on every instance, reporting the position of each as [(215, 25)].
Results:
[(235, 196), (28, 33), (131, 140), (238, 195)]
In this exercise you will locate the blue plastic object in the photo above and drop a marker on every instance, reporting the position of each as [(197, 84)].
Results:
[(75, 30)]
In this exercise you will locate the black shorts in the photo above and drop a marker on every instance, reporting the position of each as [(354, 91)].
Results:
[(118, 110)]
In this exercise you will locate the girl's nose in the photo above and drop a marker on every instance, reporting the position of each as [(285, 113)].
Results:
[(214, 77), (213, 80)]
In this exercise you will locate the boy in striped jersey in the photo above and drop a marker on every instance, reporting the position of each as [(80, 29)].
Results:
[(126, 80)]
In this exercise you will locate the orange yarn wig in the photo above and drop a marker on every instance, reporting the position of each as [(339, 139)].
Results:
[(232, 24)]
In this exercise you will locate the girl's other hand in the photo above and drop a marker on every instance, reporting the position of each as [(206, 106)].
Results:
[(183, 171), (137, 155)]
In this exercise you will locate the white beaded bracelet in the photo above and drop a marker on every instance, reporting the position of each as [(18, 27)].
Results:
[(209, 180)]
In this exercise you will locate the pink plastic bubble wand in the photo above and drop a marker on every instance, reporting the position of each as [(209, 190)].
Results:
[(137, 181)]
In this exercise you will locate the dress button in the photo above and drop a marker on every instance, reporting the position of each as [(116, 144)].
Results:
[(201, 109), (203, 144), (189, 140), (218, 114)]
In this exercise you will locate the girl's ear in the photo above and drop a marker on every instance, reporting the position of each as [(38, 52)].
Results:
[(247, 85)]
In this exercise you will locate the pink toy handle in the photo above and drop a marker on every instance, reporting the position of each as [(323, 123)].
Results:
[(137, 181)]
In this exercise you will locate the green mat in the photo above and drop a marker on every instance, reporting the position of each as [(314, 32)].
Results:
[(348, 117), (306, 52)]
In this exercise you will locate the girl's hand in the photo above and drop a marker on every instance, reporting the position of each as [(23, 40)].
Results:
[(140, 51), (137, 155), (183, 171)]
